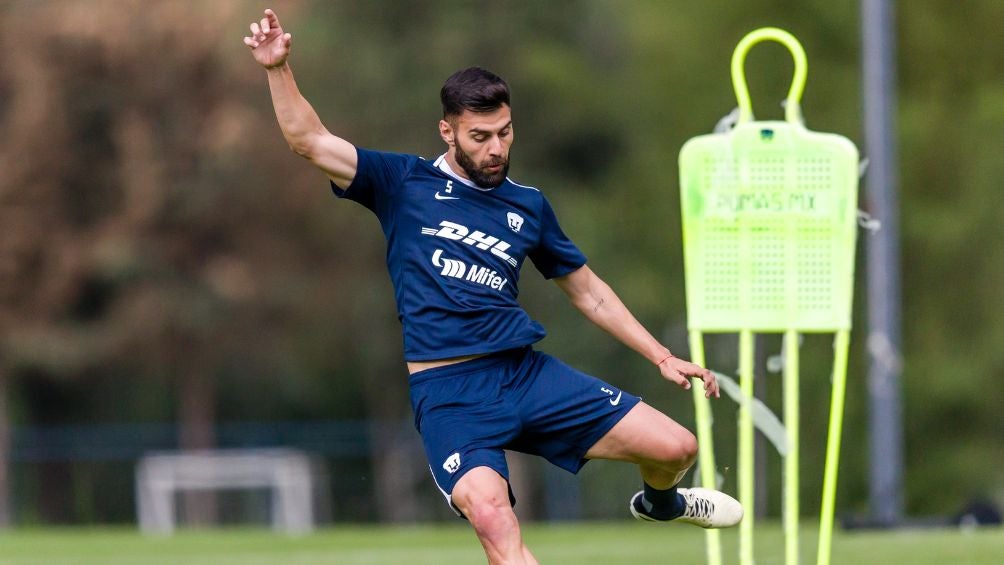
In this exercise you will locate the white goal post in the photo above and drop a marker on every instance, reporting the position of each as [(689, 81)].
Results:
[(289, 474)]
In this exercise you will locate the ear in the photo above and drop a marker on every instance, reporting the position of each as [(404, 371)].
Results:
[(446, 132)]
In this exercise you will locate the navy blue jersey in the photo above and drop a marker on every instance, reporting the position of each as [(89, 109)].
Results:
[(454, 253)]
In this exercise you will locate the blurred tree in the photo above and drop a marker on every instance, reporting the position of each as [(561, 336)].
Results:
[(131, 248), (951, 116)]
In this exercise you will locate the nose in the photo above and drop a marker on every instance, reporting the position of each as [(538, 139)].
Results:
[(495, 146)]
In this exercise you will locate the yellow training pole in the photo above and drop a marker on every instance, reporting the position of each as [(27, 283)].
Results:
[(840, 347), (746, 457), (705, 439), (791, 481)]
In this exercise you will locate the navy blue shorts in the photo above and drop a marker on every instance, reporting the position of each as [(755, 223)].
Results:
[(519, 399)]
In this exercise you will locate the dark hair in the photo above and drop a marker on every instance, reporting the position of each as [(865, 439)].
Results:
[(474, 89)]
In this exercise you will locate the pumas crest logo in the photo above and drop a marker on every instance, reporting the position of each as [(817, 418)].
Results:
[(452, 463), (515, 221)]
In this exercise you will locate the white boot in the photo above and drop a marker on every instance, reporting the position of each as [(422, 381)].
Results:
[(704, 507)]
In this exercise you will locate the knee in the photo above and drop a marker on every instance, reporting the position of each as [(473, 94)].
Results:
[(680, 450), (688, 448), (492, 518), (482, 495)]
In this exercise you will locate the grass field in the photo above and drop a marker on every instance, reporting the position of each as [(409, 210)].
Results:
[(601, 543)]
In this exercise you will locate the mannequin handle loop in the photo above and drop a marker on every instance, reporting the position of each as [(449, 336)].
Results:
[(792, 109)]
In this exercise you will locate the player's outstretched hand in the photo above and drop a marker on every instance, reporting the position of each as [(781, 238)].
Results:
[(679, 371), (268, 43)]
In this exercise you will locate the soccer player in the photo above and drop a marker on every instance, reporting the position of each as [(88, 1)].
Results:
[(458, 231)]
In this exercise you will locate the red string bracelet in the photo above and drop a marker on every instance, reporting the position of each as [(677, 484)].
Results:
[(664, 359)]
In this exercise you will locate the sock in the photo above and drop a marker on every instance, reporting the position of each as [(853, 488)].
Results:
[(662, 504)]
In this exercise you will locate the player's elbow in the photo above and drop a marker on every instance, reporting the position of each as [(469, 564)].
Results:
[(304, 140), (300, 145)]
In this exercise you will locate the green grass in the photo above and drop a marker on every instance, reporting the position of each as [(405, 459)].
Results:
[(606, 543)]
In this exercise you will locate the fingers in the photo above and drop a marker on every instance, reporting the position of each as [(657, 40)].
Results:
[(710, 384), (683, 371), (671, 373), (678, 378), (273, 20), (256, 36), (260, 30)]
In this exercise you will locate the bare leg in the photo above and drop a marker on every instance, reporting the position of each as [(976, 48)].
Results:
[(483, 497), (663, 449)]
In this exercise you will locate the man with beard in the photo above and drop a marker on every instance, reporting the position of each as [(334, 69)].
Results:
[(458, 230)]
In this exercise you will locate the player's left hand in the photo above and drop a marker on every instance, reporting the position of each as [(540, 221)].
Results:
[(680, 371)]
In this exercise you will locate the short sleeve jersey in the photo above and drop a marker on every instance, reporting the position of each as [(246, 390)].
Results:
[(454, 253)]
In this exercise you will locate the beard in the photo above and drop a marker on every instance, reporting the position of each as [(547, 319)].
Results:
[(477, 174)]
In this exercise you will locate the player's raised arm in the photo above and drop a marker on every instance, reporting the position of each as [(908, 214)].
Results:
[(300, 125)]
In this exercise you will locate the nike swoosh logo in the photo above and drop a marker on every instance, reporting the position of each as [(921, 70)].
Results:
[(441, 197), (616, 401)]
